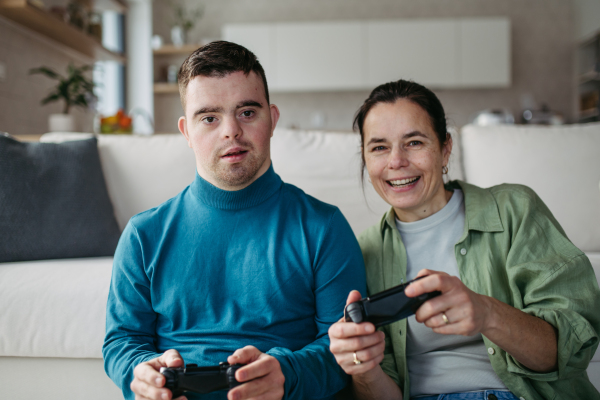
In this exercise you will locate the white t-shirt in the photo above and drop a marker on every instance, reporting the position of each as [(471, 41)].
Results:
[(442, 363)]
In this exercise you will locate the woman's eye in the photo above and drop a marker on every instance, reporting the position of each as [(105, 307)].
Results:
[(378, 148)]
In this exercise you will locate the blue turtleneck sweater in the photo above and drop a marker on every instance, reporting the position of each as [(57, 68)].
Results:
[(211, 271)]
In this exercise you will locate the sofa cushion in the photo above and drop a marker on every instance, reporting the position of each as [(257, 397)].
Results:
[(57, 307), (141, 171), (53, 202), (561, 163)]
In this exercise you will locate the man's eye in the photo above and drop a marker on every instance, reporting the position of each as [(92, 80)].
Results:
[(378, 148), (414, 143), (248, 113), (210, 120)]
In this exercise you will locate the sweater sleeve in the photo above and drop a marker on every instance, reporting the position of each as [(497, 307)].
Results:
[(312, 372), (130, 319)]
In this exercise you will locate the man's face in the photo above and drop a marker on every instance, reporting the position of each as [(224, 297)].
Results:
[(229, 125)]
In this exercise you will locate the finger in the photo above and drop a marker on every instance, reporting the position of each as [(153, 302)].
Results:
[(363, 366), (244, 355), (146, 391), (367, 354), (343, 330), (433, 281), (353, 297), (170, 358), (267, 387), (146, 373), (259, 368), (356, 343)]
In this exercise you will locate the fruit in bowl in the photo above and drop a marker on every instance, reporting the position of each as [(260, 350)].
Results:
[(118, 123)]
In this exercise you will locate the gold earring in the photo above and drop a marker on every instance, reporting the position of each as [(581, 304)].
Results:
[(444, 170)]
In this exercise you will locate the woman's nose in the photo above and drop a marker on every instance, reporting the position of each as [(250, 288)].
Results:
[(398, 159)]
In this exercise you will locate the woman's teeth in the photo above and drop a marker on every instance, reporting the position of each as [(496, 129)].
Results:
[(403, 182)]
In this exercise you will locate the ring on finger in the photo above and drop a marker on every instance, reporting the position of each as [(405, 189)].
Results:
[(356, 360), (445, 318)]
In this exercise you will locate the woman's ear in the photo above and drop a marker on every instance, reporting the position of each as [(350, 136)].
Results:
[(447, 149)]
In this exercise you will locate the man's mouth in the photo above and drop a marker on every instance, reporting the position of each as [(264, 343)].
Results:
[(403, 182), (235, 153)]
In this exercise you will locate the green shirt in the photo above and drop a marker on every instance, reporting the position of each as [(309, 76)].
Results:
[(514, 250)]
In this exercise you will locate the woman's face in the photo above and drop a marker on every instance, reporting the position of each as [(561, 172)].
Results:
[(404, 159)]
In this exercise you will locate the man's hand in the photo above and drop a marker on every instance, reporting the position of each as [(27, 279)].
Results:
[(262, 374), (148, 383)]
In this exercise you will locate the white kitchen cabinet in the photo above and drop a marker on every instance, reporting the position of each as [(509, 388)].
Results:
[(425, 51), (260, 39), (319, 56), (484, 52), (359, 55)]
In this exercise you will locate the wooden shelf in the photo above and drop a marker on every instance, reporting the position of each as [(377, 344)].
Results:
[(175, 50), (585, 114), (164, 87), (590, 76), (44, 23), (110, 5)]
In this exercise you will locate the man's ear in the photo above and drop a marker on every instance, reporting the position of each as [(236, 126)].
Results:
[(274, 116), (183, 129)]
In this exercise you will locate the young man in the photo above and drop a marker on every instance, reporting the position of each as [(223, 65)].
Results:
[(238, 267)]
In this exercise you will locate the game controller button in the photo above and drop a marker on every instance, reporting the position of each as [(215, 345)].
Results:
[(191, 365)]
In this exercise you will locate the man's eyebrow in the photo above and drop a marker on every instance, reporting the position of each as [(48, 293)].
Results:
[(248, 103), (205, 110)]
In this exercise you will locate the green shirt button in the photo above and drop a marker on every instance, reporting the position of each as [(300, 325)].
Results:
[(491, 351), (463, 251)]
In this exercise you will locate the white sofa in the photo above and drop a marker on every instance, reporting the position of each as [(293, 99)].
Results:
[(53, 311)]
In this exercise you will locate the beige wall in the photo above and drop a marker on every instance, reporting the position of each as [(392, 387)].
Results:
[(542, 51), (20, 94)]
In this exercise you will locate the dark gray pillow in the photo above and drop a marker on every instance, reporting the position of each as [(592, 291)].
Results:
[(53, 201)]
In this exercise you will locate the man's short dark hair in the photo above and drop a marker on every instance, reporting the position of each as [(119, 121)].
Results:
[(218, 59)]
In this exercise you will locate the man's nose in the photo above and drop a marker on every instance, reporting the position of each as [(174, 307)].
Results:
[(398, 158), (232, 128)]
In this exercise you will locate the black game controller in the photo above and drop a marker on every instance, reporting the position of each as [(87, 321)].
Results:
[(386, 307), (197, 379)]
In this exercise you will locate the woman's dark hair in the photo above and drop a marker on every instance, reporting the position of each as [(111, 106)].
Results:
[(392, 91)]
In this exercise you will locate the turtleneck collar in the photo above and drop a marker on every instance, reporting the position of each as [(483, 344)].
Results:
[(258, 191)]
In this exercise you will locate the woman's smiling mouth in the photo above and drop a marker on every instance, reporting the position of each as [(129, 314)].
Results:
[(400, 183)]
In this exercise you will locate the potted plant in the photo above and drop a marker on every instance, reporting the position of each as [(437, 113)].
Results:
[(183, 21), (76, 90)]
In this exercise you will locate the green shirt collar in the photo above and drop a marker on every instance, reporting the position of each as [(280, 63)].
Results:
[(480, 207)]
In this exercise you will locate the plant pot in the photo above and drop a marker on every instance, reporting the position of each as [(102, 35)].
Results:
[(61, 123), (178, 36)]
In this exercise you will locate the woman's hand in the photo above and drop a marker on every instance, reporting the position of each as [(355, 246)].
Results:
[(348, 338), (467, 313), (530, 340)]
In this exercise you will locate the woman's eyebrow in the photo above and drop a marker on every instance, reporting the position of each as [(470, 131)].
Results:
[(413, 134), (376, 140)]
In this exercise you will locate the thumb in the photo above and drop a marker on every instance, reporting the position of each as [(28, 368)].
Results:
[(170, 358), (353, 297)]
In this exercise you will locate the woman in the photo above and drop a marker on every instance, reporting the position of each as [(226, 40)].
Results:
[(517, 317)]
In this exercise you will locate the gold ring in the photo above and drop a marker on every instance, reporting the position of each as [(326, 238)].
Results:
[(445, 318), (356, 360)]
